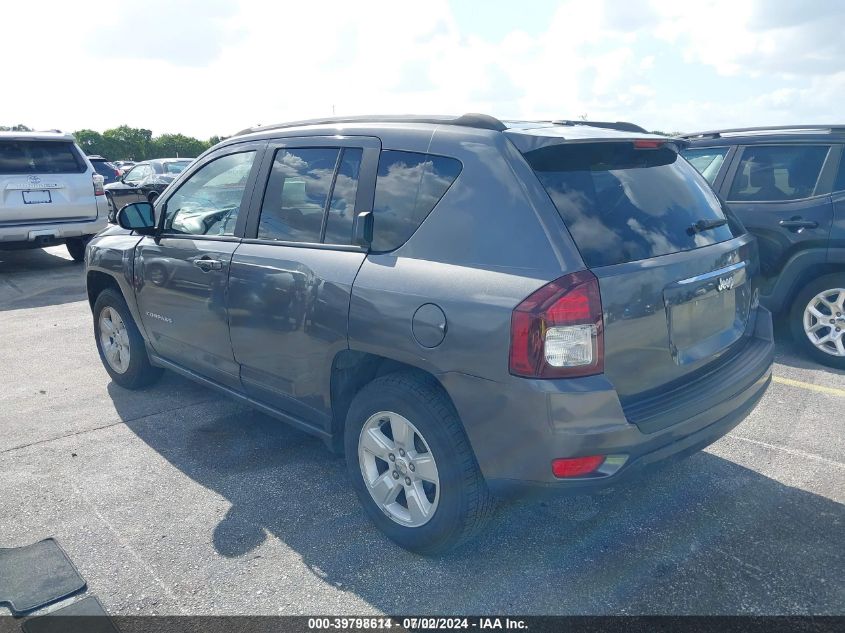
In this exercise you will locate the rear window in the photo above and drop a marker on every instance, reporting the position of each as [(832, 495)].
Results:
[(408, 187), (623, 204), (103, 168), (176, 168), (40, 157)]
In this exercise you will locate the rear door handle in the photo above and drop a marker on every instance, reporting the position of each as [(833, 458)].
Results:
[(796, 224), (208, 264)]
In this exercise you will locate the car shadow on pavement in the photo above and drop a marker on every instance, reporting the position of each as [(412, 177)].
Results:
[(36, 278), (789, 354), (703, 535)]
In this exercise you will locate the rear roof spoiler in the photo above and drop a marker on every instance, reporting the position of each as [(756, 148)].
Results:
[(622, 126)]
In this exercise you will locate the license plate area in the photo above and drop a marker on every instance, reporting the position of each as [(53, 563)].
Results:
[(707, 313), (40, 196)]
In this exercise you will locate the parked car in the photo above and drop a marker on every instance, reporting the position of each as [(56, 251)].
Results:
[(787, 185), (107, 170), (144, 181), (49, 193), (446, 300), (123, 165)]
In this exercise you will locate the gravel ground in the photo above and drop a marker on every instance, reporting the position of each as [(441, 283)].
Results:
[(176, 500)]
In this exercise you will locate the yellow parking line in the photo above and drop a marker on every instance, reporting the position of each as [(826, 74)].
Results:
[(834, 391)]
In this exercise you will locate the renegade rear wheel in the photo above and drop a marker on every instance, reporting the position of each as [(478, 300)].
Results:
[(817, 320), (411, 464), (120, 344)]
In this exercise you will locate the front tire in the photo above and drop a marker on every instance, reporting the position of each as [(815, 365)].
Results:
[(817, 320), (411, 464), (120, 344)]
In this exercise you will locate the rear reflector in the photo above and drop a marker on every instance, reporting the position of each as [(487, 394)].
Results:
[(648, 144), (576, 466)]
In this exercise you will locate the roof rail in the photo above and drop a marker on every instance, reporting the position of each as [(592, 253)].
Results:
[(623, 126), (783, 129), (480, 121)]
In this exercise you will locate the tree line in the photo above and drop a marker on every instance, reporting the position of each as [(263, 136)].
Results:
[(129, 143)]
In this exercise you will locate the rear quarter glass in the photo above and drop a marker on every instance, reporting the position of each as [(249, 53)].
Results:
[(40, 157), (408, 187), (623, 204)]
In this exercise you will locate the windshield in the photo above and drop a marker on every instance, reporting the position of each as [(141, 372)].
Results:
[(623, 204)]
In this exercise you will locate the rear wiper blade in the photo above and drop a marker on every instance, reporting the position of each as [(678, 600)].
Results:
[(706, 225)]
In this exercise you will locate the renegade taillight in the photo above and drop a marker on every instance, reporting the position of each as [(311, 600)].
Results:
[(98, 185), (557, 332)]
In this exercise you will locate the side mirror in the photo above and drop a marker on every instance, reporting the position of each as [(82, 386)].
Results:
[(138, 217), (363, 232)]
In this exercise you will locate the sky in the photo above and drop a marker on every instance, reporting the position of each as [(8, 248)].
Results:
[(213, 67)]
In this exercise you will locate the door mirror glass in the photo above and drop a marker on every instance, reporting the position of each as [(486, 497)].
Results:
[(137, 216)]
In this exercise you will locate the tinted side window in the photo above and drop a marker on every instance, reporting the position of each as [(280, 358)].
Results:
[(408, 187), (770, 173), (209, 201), (297, 190), (342, 208), (707, 160)]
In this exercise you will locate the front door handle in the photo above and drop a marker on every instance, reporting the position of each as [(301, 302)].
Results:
[(796, 224), (207, 264)]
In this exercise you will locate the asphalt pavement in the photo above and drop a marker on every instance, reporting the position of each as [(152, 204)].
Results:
[(176, 500)]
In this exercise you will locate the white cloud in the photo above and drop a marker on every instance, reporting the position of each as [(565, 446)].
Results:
[(216, 67)]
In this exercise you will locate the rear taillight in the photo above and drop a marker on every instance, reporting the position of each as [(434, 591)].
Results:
[(98, 185), (557, 332)]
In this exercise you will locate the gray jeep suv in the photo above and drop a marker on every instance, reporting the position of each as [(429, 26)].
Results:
[(466, 307), (787, 186)]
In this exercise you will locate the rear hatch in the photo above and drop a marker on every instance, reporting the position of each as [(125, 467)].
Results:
[(675, 274), (44, 180)]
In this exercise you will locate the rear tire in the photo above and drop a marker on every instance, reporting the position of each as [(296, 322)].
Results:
[(819, 303), (120, 344), (76, 247), (457, 506)]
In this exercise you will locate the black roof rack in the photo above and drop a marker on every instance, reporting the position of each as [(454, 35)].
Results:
[(784, 129), (481, 121), (623, 126)]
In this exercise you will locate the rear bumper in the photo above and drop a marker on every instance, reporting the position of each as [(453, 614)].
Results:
[(44, 233), (516, 430)]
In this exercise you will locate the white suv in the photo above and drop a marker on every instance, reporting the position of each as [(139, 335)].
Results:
[(49, 193)]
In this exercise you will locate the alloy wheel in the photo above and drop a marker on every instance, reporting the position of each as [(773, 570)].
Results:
[(114, 339), (824, 321), (399, 469)]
